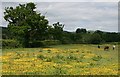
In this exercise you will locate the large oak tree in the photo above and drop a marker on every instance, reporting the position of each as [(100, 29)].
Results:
[(25, 23)]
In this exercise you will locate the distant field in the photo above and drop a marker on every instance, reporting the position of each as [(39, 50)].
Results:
[(73, 59)]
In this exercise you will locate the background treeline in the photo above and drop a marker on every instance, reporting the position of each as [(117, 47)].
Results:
[(63, 37), (28, 28)]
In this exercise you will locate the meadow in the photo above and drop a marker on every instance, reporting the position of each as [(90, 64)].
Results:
[(72, 59)]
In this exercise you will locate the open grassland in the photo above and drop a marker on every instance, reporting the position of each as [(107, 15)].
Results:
[(74, 59)]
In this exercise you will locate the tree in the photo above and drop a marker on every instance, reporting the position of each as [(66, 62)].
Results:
[(75, 37), (66, 38), (95, 38), (25, 23), (86, 38), (5, 33), (57, 31), (81, 30), (111, 37), (98, 31)]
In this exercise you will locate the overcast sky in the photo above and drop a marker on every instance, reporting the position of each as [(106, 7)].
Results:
[(90, 15)]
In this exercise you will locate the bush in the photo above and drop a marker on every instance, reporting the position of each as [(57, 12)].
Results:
[(50, 42), (8, 43), (36, 44)]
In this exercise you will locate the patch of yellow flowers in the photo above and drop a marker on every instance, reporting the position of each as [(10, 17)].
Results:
[(89, 55), (33, 64)]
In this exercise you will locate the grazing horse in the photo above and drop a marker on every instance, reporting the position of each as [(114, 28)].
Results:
[(106, 48), (98, 46)]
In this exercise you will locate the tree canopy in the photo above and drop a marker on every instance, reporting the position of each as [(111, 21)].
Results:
[(26, 23), (81, 30)]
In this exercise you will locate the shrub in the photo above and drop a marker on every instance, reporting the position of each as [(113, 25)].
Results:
[(8, 43), (36, 44)]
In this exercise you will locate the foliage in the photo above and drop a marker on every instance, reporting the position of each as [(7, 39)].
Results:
[(76, 38), (10, 43), (31, 29), (65, 39), (81, 30), (111, 37), (34, 44), (6, 34), (25, 23), (57, 31), (86, 38), (95, 38)]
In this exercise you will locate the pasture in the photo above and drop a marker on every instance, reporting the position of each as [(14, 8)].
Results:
[(72, 59)]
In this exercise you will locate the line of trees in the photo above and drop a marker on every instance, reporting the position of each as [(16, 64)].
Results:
[(30, 29)]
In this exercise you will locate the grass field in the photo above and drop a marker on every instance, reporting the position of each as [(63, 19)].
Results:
[(73, 59)]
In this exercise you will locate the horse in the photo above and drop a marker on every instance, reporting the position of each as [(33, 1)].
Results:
[(106, 48), (98, 46)]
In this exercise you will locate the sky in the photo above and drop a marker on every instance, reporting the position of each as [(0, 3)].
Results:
[(89, 15)]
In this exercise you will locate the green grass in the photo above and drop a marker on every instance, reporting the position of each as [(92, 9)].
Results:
[(72, 59)]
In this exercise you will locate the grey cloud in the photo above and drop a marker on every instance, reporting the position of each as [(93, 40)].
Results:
[(90, 15), (0, 14), (60, 0)]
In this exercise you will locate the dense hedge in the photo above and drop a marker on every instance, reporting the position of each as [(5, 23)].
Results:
[(7, 43), (36, 44)]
